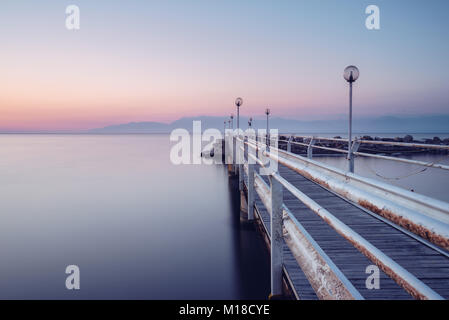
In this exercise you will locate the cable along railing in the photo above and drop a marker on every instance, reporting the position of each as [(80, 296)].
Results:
[(432, 217), (310, 142)]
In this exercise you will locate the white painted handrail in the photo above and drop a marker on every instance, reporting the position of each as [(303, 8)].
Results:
[(408, 281)]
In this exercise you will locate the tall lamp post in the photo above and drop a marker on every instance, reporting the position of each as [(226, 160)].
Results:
[(232, 120), (351, 74), (238, 103), (250, 122), (267, 112)]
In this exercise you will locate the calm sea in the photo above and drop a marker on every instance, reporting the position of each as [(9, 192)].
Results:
[(136, 225), (428, 181)]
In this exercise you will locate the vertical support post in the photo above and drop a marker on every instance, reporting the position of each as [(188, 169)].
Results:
[(240, 160), (351, 164), (277, 243), (245, 148), (228, 149), (257, 146), (350, 158), (251, 195), (238, 119), (289, 144), (310, 148), (267, 142), (354, 148), (234, 153)]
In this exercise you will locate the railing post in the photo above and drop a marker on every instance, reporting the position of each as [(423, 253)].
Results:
[(289, 144), (267, 142), (310, 148), (355, 146), (277, 243), (251, 195), (257, 147), (228, 149), (234, 153), (245, 148), (240, 163)]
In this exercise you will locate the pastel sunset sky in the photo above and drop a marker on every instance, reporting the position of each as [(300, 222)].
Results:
[(161, 60)]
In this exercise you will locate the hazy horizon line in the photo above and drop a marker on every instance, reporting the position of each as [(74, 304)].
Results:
[(416, 125)]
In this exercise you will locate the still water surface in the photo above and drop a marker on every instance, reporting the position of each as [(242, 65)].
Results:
[(431, 182), (136, 225)]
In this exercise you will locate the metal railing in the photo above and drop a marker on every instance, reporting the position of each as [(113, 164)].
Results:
[(357, 143), (324, 276), (426, 217)]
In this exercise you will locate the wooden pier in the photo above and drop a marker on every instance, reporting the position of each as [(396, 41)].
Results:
[(330, 243)]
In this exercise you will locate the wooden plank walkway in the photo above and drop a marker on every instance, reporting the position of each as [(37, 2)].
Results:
[(425, 263)]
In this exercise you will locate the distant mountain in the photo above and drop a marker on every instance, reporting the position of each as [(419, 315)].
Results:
[(385, 124), (134, 127)]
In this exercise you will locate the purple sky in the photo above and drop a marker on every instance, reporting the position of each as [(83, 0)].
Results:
[(162, 60)]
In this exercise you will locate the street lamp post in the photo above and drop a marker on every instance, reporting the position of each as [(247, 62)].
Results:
[(267, 112), (238, 103), (232, 121), (250, 122), (351, 74)]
